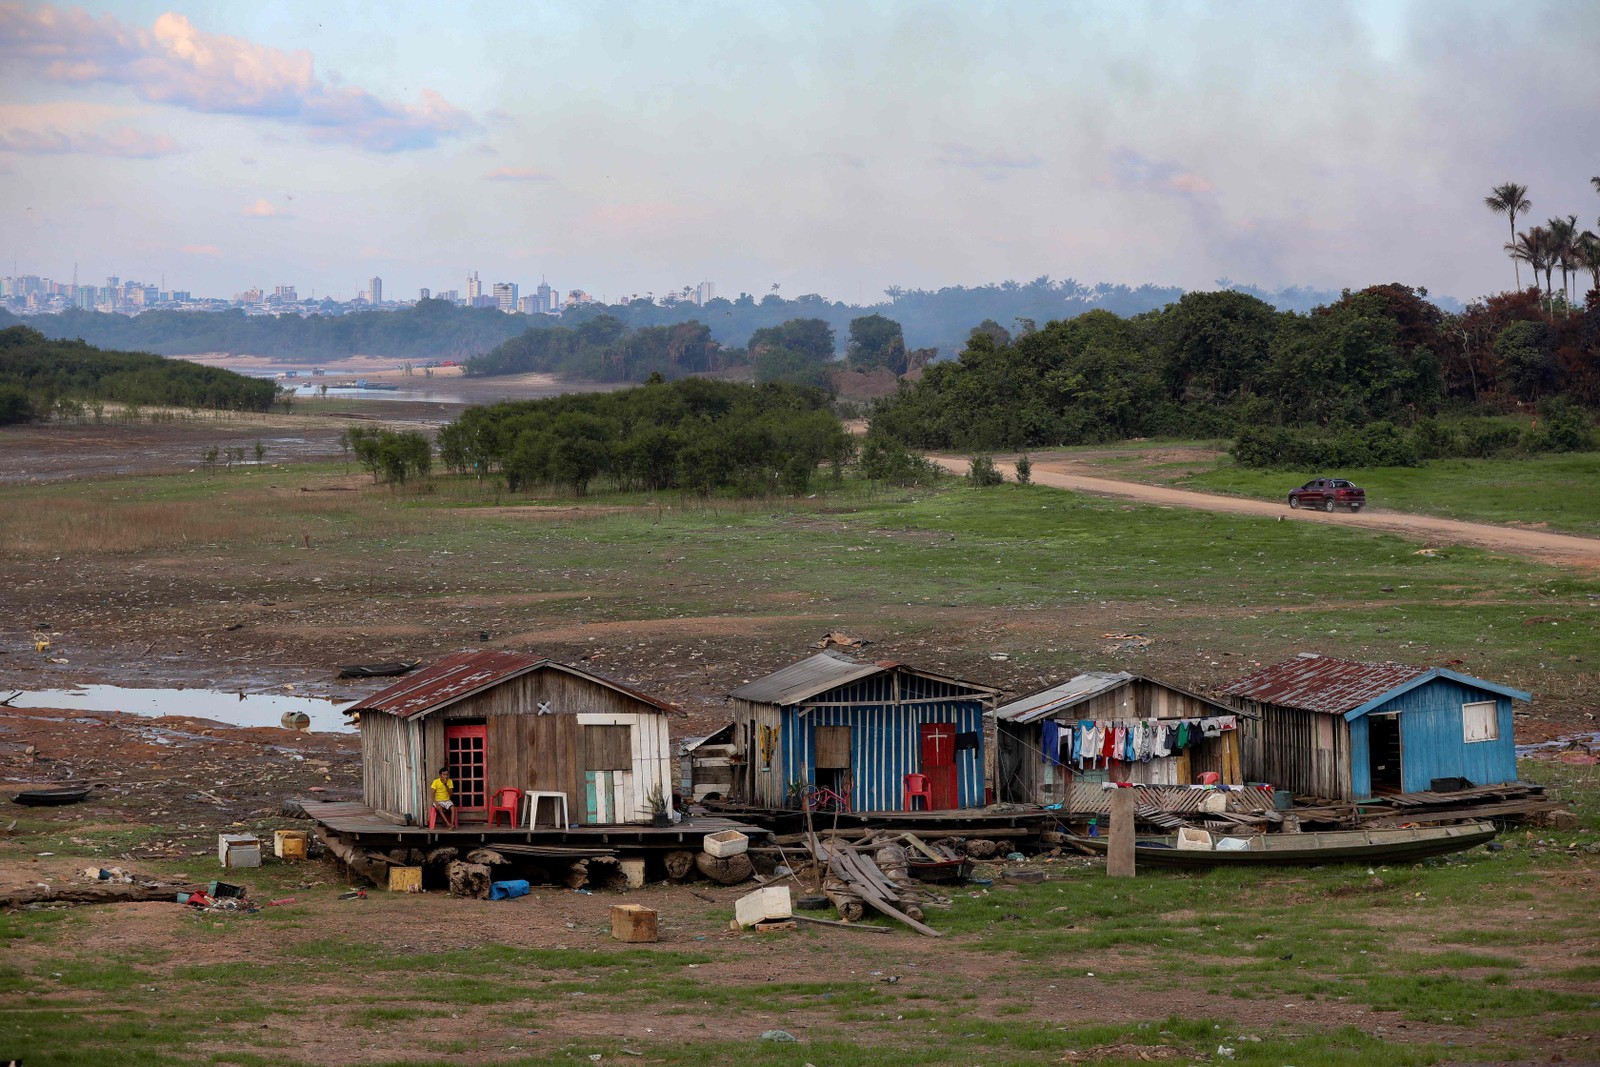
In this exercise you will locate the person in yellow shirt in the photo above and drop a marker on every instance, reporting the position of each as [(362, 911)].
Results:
[(442, 787)]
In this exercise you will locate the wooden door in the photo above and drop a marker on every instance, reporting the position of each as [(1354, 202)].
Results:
[(607, 758), (939, 763), (466, 754)]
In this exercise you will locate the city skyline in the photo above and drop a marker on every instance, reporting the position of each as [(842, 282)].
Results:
[(820, 148)]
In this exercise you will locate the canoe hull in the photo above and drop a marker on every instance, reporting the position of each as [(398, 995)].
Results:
[(1337, 846), (51, 798)]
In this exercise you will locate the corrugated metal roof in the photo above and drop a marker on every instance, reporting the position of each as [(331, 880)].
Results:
[(799, 682), (812, 675), (1074, 690), (1322, 683), (455, 677)]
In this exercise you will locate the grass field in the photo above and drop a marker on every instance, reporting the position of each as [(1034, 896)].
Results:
[(1482, 956), (1489, 956), (1558, 491)]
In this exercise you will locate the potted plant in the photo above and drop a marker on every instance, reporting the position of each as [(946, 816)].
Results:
[(658, 807)]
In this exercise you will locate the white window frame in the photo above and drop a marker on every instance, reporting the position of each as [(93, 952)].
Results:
[(1490, 724)]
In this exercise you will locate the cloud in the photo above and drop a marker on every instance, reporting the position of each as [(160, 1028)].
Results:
[(201, 250), (1133, 171), (519, 174), (248, 161), (994, 164), (263, 209), (175, 63), (123, 143)]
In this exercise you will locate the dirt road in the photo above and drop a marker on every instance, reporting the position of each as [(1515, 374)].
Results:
[(1565, 549)]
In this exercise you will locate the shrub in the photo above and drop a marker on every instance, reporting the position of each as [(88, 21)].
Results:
[(1024, 469), (14, 405), (983, 472), (887, 461)]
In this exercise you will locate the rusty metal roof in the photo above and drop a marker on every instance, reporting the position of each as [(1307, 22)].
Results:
[(1322, 683), (452, 679)]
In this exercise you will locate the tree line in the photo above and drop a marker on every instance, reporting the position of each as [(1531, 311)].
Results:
[(37, 375), (694, 434), (936, 319), (1213, 363), (603, 349)]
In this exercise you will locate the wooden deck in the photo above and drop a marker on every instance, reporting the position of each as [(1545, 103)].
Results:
[(964, 821), (359, 823)]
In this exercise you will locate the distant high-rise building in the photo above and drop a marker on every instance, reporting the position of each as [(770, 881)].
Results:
[(285, 294), (505, 296), (528, 305), (474, 289), (427, 294), (377, 290), (452, 295), (704, 293)]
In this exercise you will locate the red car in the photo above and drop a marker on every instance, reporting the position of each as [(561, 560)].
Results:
[(1327, 494)]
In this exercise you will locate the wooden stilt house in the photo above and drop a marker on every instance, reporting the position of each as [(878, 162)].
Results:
[(1039, 738), (859, 728), (504, 720), (1348, 731)]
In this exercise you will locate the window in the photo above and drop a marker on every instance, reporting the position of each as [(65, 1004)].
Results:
[(1480, 721)]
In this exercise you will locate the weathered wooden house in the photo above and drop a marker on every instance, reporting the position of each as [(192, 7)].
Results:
[(503, 720), (705, 765), (859, 728), (1168, 736), (1347, 731)]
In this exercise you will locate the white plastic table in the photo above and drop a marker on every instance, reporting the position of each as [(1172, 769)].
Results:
[(534, 796)]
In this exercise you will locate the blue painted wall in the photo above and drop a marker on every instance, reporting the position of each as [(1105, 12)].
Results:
[(885, 742), (1431, 740)]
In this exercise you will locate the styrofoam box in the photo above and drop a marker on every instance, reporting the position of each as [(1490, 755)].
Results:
[(725, 843)]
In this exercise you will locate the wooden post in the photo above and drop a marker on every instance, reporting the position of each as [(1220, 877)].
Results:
[(1119, 853)]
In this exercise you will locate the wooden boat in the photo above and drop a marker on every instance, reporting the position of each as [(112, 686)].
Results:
[(1332, 846), (51, 798), (377, 670)]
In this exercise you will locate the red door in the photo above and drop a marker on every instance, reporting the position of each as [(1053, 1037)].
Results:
[(464, 754), (939, 763)]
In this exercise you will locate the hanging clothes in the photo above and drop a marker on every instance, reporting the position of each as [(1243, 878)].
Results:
[(968, 742), (1130, 750), (1088, 738), (1163, 740), (1183, 736), (1049, 742), (1108, 750), (1211, 727)]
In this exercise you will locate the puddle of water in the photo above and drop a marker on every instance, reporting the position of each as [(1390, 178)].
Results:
[(235, 709), (1591, 739)]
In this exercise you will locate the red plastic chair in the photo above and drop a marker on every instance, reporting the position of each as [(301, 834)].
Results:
[(1208, 778), (917, 786), (449, 816), (508, 808)]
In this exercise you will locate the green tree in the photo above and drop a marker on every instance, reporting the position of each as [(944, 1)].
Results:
[(1510, 199), (876, 341), (1024, 469)]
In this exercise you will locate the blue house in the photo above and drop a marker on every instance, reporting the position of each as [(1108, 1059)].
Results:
[(1349, 731), (859, 728)]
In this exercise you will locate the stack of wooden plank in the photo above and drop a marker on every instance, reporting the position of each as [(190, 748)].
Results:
[(1514, 800), (853, 880)]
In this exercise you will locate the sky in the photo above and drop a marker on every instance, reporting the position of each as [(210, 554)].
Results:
[(833, 148)]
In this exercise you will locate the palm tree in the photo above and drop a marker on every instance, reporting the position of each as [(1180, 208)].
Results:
[(1531, 247), (1595, 181), (1509, 199), (1562, 250), (1588, 245)]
